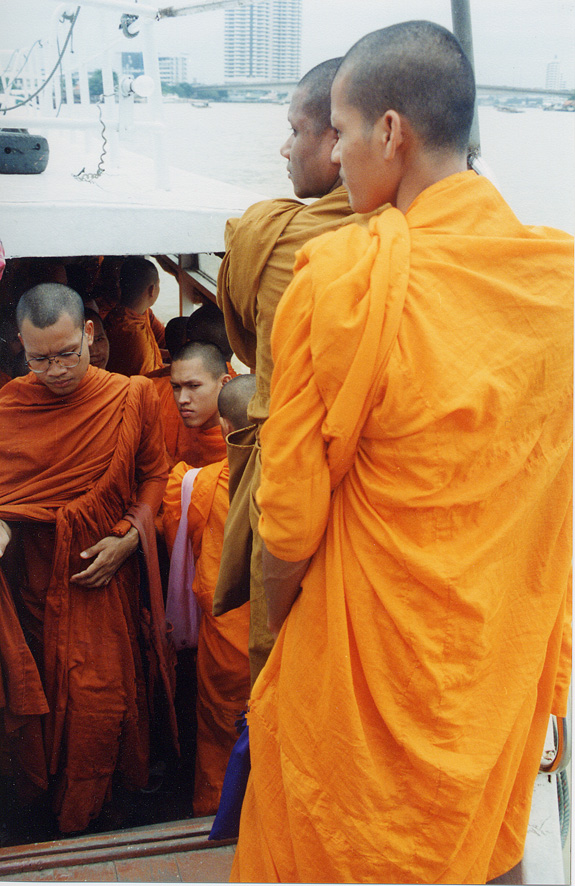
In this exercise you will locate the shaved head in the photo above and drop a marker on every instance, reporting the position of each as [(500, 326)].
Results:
[(136, 274), (43, 305), (315, 89), (234, 398), (418, 69), (210, 355), (207, 324)]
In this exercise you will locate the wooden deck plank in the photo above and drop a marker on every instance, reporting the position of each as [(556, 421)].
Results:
[(158, 869), (104, 872), (165, 853), (206, 865)]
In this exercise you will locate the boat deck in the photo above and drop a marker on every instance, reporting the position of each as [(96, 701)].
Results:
[(178, 852), (123, 212)]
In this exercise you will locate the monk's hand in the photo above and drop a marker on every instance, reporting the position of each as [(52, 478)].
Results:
[(109, 553), (5, 536)]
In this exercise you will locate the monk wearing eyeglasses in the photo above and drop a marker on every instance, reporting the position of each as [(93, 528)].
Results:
[(78, 495)]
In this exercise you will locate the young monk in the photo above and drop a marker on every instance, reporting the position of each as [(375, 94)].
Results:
[(416, 486), (194, 444), (77, 498), (223, 675), (133, 346)]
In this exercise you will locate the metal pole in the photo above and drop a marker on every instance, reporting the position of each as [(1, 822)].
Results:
[(461, 19)]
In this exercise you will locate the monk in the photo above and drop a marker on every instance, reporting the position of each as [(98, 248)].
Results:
[(416, 504), (193, 443), (256, 269), (133, 346), (82, 633), (223, 675), (100, 347)]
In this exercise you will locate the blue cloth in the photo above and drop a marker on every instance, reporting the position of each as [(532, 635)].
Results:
[(226, 824)]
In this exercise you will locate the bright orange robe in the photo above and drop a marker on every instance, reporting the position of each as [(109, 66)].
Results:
[(418, 449), (255, 272), (133, 346), (195, 446), (222, 664), (73, 470)]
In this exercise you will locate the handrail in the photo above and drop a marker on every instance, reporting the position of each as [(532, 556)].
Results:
[(562, 736), (461, 20)]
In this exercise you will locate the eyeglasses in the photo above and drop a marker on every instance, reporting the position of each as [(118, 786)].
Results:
[(68, 359)]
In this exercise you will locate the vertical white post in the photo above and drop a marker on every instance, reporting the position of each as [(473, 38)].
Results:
[(152, 69), (109, 106)]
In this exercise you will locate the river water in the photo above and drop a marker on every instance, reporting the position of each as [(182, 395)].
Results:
[(530, 153)]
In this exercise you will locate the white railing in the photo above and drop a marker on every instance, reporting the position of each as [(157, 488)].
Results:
[(49, 83)]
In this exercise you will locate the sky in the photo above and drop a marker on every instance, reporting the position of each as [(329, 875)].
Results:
[(513, 39)]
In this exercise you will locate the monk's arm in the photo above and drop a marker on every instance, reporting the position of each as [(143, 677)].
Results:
[(151, 475), (5, 536), (110, 553), (282, 584)]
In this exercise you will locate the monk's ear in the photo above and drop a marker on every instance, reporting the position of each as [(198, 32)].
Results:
[(390, 130), (226, 426), (225, 379), (89, 331)]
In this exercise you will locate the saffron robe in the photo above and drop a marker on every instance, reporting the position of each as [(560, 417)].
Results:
[(222, 661), (418, 450), (74, 470), (158, 329), (133, 346), (255, 271), (196, 446)]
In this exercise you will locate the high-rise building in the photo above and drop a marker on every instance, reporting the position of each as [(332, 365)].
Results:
[(263, 40), (173, 69), (554, 78)]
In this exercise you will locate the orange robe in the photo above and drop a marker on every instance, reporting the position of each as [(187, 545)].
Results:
[(158, 329), (133, 346), (256, 270), (73, 470), (4, 378), (418, 450), (222, 664), (195, 446)]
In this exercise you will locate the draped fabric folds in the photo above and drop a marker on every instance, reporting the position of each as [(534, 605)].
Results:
[(222, 662), (74, 470), (423, 461), (133, 346)]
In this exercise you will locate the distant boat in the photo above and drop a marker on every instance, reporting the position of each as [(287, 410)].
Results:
[(508, 110), (198, 103)]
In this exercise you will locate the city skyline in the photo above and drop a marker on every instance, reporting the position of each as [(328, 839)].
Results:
[(263, 41), (514, 42)]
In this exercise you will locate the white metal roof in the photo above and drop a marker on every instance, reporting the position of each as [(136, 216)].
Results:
[(121, 212)]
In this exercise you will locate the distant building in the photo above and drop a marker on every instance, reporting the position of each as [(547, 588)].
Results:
[(263, 41), (173, 69), (554, 78), (133, 63)]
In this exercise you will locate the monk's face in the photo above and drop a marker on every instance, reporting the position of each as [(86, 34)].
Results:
[(63, 337), (368, 176), (196, 393), (308, 152), (100, 347)]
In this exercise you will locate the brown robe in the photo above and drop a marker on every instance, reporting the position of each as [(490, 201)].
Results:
[(74, 470), (133, 346)]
